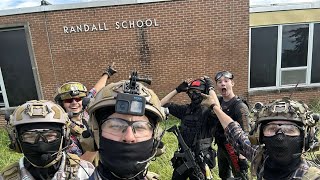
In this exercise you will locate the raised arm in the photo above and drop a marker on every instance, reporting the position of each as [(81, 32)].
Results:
[(102, 81), (211, 101), (183, 87)]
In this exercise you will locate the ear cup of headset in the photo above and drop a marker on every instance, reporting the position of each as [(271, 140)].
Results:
[(311, 141), (14, 145)]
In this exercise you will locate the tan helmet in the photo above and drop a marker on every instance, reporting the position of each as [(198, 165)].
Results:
[(37, 112), (285, 109), (106, 98), (70, 90)]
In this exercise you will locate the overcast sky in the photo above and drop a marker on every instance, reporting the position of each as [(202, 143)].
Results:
[(11, 4)]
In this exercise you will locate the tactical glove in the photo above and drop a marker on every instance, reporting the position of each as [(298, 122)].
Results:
[(183, 87), (110, 71), (209, 84)]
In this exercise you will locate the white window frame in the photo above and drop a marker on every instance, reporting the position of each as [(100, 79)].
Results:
[(3, 92), (279, 53)]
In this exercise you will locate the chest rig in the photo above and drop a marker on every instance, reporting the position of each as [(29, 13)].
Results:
[(192, 125)]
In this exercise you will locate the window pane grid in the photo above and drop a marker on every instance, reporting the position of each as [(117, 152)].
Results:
[(297, 56)]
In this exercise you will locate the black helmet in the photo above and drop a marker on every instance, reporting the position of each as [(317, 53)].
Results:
[(198, 84)]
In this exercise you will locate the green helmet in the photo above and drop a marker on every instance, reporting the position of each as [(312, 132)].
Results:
[(106, 99), (284, 109), (70, 90)]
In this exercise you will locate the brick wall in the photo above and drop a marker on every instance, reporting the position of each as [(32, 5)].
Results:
[(194, 38)]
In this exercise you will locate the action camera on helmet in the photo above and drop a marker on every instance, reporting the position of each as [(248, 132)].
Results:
[(130, 104)]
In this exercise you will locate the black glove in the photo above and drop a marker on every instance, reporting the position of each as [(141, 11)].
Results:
[(209, 84), (110, 71), (243, 165), (183, 87)]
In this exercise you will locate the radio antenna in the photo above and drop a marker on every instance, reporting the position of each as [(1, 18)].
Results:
[(294, 89)]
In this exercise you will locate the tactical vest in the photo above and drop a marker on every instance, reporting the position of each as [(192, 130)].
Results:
[(13, 172), (220, 138), (87, 143), (193, 126)]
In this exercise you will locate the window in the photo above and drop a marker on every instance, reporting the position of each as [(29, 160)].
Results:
[(263, 56), (17, 75), (284, 55), (3, 94), (315, 75)]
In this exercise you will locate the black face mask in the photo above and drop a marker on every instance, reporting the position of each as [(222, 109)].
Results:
[(195, 97), (283, 149), (125, 160), (40, 154)]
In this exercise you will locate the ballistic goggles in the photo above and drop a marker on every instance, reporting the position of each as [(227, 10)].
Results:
[(272, 129), (118, 126), (226, 74), (45, 135)]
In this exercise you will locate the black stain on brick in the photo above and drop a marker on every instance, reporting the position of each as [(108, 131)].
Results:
[(144, 50)]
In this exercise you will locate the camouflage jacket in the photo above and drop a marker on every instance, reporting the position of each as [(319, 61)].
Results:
[(75, 169), (239, 140)]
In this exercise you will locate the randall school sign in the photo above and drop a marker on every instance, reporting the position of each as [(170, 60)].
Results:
[(104, 26)]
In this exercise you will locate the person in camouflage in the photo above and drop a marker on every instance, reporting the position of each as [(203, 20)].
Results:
[(38, 129), (283, 129), (73, 97)]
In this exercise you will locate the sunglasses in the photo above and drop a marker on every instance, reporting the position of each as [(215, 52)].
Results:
[(71, 100), (226, 74)]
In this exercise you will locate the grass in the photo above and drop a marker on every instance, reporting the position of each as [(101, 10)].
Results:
[(7, 156), (161, 165)]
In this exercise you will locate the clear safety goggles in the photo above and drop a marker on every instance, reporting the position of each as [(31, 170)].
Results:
[(272, 129), (118, 127), (34, 136), (226, 74)]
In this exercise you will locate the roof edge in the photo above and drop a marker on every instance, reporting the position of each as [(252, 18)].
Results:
[(284, 7), (48, 8)]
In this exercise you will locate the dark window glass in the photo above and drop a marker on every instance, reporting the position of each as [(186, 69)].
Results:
[(294, 45), (315, 75), (16, 67), (263, 56)]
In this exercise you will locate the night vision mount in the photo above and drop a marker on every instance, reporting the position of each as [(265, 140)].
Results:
[(131, 101), (132, 87)]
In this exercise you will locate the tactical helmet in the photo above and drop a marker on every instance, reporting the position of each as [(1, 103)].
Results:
[(198, 84), (284, 109), (70, 90), (35, 111), (106, 99)]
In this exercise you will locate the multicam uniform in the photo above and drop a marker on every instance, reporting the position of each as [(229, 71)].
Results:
[(237, 137), (81, 136), (71, 167), (38, 129)]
